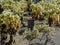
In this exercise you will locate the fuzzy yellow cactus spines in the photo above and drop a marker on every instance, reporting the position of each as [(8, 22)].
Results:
[(17, 7), (9, 22), (37, 9)]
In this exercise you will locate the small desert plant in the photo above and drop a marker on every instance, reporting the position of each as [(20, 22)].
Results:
[(9, 24)]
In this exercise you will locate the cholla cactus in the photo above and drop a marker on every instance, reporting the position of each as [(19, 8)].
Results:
[(11, 22), (17, 7), (46, 33), (31, 35), (43, 33), (37, 9), (9, 25), (44, 7)]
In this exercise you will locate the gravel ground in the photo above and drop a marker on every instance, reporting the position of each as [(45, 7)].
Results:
[(20, 41), (57, 38)]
